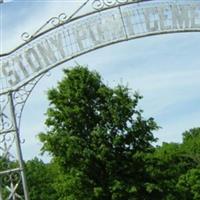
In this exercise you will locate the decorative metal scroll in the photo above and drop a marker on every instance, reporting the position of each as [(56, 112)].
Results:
[(53, 22), (11, 163), (102, 4), (62, 38)]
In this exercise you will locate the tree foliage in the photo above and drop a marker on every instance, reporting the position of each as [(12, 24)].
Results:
[(40, 178), (96, 134)]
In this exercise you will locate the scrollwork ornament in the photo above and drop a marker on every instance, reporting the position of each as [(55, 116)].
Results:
[(20, 97), (25, 36), (54, 21), (6, 143), (5, 122), (15, 177), (62, 17), (98, 4), (11, 182), (110, 3), (4, 164), (6, 179)]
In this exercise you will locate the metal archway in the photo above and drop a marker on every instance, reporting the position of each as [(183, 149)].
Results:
[(63, 38)]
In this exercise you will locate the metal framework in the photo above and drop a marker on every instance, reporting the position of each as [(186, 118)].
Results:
[(105, 22)]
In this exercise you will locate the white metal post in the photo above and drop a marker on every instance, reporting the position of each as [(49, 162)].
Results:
[(18, 147)]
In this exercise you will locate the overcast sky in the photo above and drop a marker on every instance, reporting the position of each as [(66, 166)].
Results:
[(164, 69)]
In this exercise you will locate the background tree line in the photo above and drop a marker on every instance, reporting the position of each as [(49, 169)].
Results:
[(102, 148)]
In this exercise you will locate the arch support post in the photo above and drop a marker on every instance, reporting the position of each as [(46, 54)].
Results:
[(13, 185), (18, 147)]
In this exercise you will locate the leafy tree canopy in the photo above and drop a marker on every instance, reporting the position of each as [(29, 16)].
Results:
[(40, 178), (97, 134)]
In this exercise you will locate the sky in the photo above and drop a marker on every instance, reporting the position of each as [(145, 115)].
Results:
[(164, 69)]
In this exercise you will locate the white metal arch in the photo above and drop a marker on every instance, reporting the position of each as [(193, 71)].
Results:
[(97, 29)]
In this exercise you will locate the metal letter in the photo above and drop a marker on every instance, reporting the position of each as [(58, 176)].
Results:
[(92, 35), (18, 60), (58, 44), (100, 32), (47, 53), (113, 27), (80, 35), (163, 18), (13, 77), (180, 17), (194, 11), (151, 24), (33, 59)]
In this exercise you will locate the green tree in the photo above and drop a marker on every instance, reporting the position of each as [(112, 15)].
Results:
[(40, 178), (173, 168), (164, 168), (97, 135), (191, 144), (189, 185), (189, 182)]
